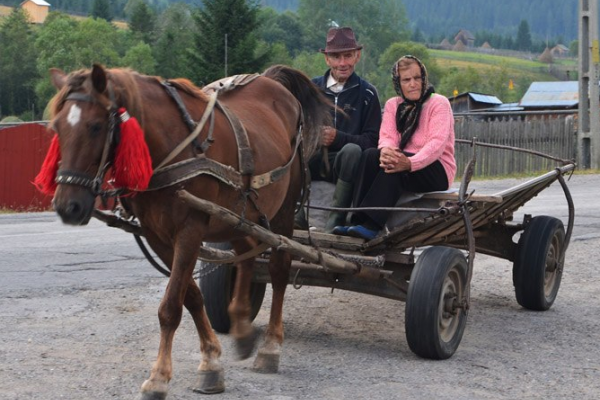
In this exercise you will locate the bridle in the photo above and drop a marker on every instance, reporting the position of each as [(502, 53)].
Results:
[(94, 183)]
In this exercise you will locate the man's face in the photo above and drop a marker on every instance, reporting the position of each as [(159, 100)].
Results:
[(342, 64)]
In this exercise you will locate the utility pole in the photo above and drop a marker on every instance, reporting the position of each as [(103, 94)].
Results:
[(225, 55), (588, 135)]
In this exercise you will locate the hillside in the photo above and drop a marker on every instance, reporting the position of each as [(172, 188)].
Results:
[(547, 19)]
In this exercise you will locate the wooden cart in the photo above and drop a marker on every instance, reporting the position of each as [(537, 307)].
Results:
[(424, 258)]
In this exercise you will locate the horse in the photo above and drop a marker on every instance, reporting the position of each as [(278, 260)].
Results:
[(274, 117)]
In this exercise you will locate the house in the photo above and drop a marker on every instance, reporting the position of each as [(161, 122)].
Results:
[(37, 9), (551, 96), (466, 37), (468, 102), (560, 50)]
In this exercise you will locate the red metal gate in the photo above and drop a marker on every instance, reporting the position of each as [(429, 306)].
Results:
[(22, 152)]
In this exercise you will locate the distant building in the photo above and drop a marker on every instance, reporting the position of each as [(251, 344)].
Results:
[(466, 37), (551, 96), (37, 9), (469, 102), (560, 50)]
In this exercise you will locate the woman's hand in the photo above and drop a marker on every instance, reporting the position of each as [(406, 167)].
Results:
[(392, 160)]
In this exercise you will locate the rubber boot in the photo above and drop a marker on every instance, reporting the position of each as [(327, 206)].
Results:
[(342, 198)]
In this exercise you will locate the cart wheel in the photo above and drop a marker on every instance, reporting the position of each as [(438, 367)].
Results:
[(539, 262), (435, 313), (217, 288)]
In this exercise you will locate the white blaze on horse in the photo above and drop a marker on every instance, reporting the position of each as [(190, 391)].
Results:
[(257, 129)]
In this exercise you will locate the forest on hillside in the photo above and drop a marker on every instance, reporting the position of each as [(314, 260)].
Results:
[(228, 37), (436, 19)]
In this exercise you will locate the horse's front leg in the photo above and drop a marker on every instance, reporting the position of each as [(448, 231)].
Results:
[(169, 315), (210, 371), (267, 359)]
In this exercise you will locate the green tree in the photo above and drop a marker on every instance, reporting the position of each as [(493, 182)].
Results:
[(139, 58), (70, 45), (523, 41), (467, 80), (225, 40), (174, 39), (311, 63), (101, 9), (377, 24), (143, 22), (17, 64), (284, 28)]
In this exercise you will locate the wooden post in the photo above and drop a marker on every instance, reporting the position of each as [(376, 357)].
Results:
[(310, 254)]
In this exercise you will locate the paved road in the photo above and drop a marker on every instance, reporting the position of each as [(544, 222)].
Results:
[(78, 315)]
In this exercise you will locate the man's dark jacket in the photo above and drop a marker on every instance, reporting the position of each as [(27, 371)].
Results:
[(359, 100)]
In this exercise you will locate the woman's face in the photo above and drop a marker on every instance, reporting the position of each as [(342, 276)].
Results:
[(411, 82)]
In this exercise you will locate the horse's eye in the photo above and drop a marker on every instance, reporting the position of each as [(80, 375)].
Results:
[(95, 129)]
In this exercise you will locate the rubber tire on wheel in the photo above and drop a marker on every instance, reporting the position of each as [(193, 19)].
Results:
[(438, 284), (537, 270), (217, 290)]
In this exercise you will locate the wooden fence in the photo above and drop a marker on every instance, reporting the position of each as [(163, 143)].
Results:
[(22, 151), (553, 136), (23, 148)]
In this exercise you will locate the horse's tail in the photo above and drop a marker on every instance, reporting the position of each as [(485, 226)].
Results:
[(315, 106)]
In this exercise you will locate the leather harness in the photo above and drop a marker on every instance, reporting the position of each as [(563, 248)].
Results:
[(172, 174)]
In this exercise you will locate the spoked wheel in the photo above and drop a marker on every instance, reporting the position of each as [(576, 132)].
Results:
[(538, 266), (216, 283), (435, 305)]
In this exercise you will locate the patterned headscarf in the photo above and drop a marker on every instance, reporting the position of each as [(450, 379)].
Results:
[(409, 111)]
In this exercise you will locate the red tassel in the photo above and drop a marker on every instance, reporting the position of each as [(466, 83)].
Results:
[(45, 181), (132, 167)]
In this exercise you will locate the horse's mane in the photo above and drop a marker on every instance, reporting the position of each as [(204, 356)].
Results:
[(126, 86), (185, 85)]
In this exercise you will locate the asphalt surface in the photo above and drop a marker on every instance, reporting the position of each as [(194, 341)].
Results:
[(78, 316)]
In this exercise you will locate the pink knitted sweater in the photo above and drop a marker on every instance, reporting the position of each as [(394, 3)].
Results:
[(433, 139)]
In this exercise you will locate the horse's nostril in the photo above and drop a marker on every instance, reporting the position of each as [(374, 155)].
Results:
[(73, 208)]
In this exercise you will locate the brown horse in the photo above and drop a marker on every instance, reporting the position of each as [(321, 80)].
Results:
[(272, 108)]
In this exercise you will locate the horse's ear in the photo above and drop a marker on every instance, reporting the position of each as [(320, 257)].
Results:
[(99, 78), (58, 78)]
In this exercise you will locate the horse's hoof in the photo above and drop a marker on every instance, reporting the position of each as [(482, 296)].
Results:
[(266, 363), (210, 382), (152, 396), (245, 346)]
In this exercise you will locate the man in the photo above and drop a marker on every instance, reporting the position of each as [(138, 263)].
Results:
[(356, 119)]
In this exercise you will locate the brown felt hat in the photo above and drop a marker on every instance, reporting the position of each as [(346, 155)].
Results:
[(339, 40)]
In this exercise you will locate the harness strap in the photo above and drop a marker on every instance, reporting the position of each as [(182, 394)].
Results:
[(192, 167), (207, 112), (241, 137), (184, 112), (272, 176)]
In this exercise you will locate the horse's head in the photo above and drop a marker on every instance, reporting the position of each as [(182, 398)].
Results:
[(86, 115)]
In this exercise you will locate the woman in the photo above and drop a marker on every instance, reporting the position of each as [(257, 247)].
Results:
[(415, 151)]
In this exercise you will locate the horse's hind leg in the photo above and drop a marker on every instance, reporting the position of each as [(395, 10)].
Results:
[(267, 359), (239, 309), (210, 372)]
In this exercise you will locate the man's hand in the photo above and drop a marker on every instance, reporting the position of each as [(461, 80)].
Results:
[(393, 160), (327, 135)]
